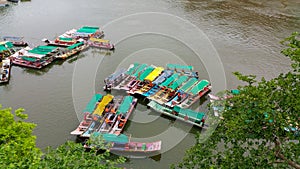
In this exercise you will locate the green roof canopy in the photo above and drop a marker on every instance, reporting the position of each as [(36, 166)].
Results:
[(132, 69), (30, 59), (170, 80), (190, 113), (42, 50), (92, 104), (88, 29), (3, 48), (122, 138), (200, 86), (182, 67), (139, 69), (125, 105), (147, 71), (75, 45), (178, 82), (188, 84), (65, 39)]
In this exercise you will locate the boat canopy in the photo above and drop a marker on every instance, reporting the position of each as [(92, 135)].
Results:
[(88, 29), (42, 50), (132, 68), (122, 138), (145, 73), (190, 113), (235, 91), (75, 45), (153, 75), (99, 40), (181, 67), (124, 107), (178, 82), (139, 70), (3, 48), (30, 59), (12, 38), (199, 87), (115, 75), (65, 39), (159, 107), (90, 107), (104, 102), (188, 84), (163, 77), (169, 80), (5, 45)]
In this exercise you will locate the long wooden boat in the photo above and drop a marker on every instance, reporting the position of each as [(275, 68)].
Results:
[(123, 113), (101, 43), (72, 50), (141, 79), (87, 32), (186, 115), (15, 40), (5, 69), (114, 79), (88, 118), (122, 143), (37, 57), (196, 93), (184, 69)]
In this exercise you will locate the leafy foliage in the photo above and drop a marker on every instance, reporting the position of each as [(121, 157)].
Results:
[(18, 148), (260, 128)]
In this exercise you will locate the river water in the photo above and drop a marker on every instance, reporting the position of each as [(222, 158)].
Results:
[(245, 35)]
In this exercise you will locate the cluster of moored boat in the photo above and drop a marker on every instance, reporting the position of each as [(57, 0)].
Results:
[(15, 51), (171, 90)]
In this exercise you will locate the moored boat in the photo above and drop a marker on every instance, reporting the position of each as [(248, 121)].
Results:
[(5, 67), (101, 43), (37, 57), (71, 50), (122, 143), (86, 32), (15, 40)]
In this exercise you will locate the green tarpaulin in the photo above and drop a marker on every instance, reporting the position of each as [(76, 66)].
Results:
[(30, 59), (147, 71), (131, 70), (139, 69), (190, 113), (178, 82), (122, 138), (42, 50), (188, 84), (88, 29), (90, 107), (2, 48), (170, 80), (65, 39), (75, 45), (182, 67), (124, 107), (200, 86)]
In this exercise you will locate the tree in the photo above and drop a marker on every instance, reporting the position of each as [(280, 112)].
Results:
[(18, 148), (260, 126)]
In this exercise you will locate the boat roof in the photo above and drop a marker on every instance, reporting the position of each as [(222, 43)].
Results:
[(125, 105), (139, 69), (101, 106), (88, 29), (132, 68), (90, 107), (42, 50), (145, 73), (188, 84), (115, 75), (178, 82), (159, 107), (99, 40), (169, 80), (75, 45), (5, 45), (181, 67), (65, 39), (122, 138), (153, 75), (190, 113), (200, 86), (163, 76), (13, 38)]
